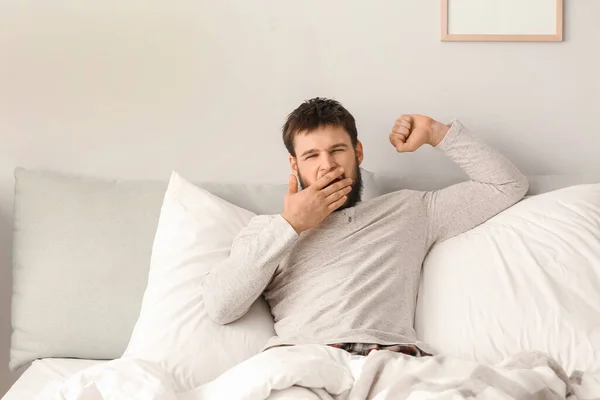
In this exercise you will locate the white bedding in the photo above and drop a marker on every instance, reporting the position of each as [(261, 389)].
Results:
[(528, 278), (324, 373), (41, 372)]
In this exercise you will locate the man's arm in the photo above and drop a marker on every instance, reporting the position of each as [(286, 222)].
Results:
[(495, 184), (232, 287)]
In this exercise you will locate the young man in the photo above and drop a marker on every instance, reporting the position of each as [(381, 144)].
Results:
[(341, 272)]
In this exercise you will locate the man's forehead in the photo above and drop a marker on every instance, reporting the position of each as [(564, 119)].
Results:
[(322, 136)]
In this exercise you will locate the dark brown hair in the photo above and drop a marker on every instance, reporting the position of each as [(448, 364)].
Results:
[(316, 113)]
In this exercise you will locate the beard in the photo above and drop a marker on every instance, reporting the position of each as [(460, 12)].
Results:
[(354, 197)]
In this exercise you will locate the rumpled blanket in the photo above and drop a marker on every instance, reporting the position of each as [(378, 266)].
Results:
[(325, 373)]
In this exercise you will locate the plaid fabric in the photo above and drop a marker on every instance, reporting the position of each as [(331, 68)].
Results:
[(363, 349)]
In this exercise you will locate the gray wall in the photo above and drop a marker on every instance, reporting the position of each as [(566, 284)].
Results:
[(107, 89)]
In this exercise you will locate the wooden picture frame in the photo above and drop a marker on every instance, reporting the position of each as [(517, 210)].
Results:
[(482, 24)]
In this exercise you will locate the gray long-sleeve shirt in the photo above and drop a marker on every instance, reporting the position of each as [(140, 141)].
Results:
[(355, 277)]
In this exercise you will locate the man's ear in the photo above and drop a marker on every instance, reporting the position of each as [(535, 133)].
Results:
[(359, 152), (294, 164)]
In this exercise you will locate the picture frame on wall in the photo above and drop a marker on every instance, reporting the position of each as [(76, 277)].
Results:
[(502, 20)]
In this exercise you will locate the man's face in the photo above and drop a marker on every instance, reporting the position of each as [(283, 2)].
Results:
[(323, 150)]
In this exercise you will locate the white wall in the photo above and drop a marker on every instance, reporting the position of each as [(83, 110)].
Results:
[(135, 89)]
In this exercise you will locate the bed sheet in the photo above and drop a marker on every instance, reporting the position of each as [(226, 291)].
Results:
[(41, 372), (585, 386)]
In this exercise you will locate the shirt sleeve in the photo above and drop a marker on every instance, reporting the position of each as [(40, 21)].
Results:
[(232, 287), (495, 184)]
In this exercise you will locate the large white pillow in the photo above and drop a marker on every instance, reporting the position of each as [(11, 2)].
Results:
[(194, 234), (528, 279)]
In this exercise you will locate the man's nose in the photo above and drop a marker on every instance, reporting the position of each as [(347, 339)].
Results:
[(328, 164)]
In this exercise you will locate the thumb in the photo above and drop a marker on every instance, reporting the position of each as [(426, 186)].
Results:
[(399, 142), (402, 147), (407, 146), (292, 184)]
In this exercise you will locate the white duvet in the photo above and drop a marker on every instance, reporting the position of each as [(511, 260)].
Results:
[(320, 372)]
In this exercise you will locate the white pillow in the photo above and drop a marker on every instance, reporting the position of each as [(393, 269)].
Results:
[(528, 279), (194, 234)]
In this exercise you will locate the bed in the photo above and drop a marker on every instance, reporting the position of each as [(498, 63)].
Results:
[(82, 253)]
